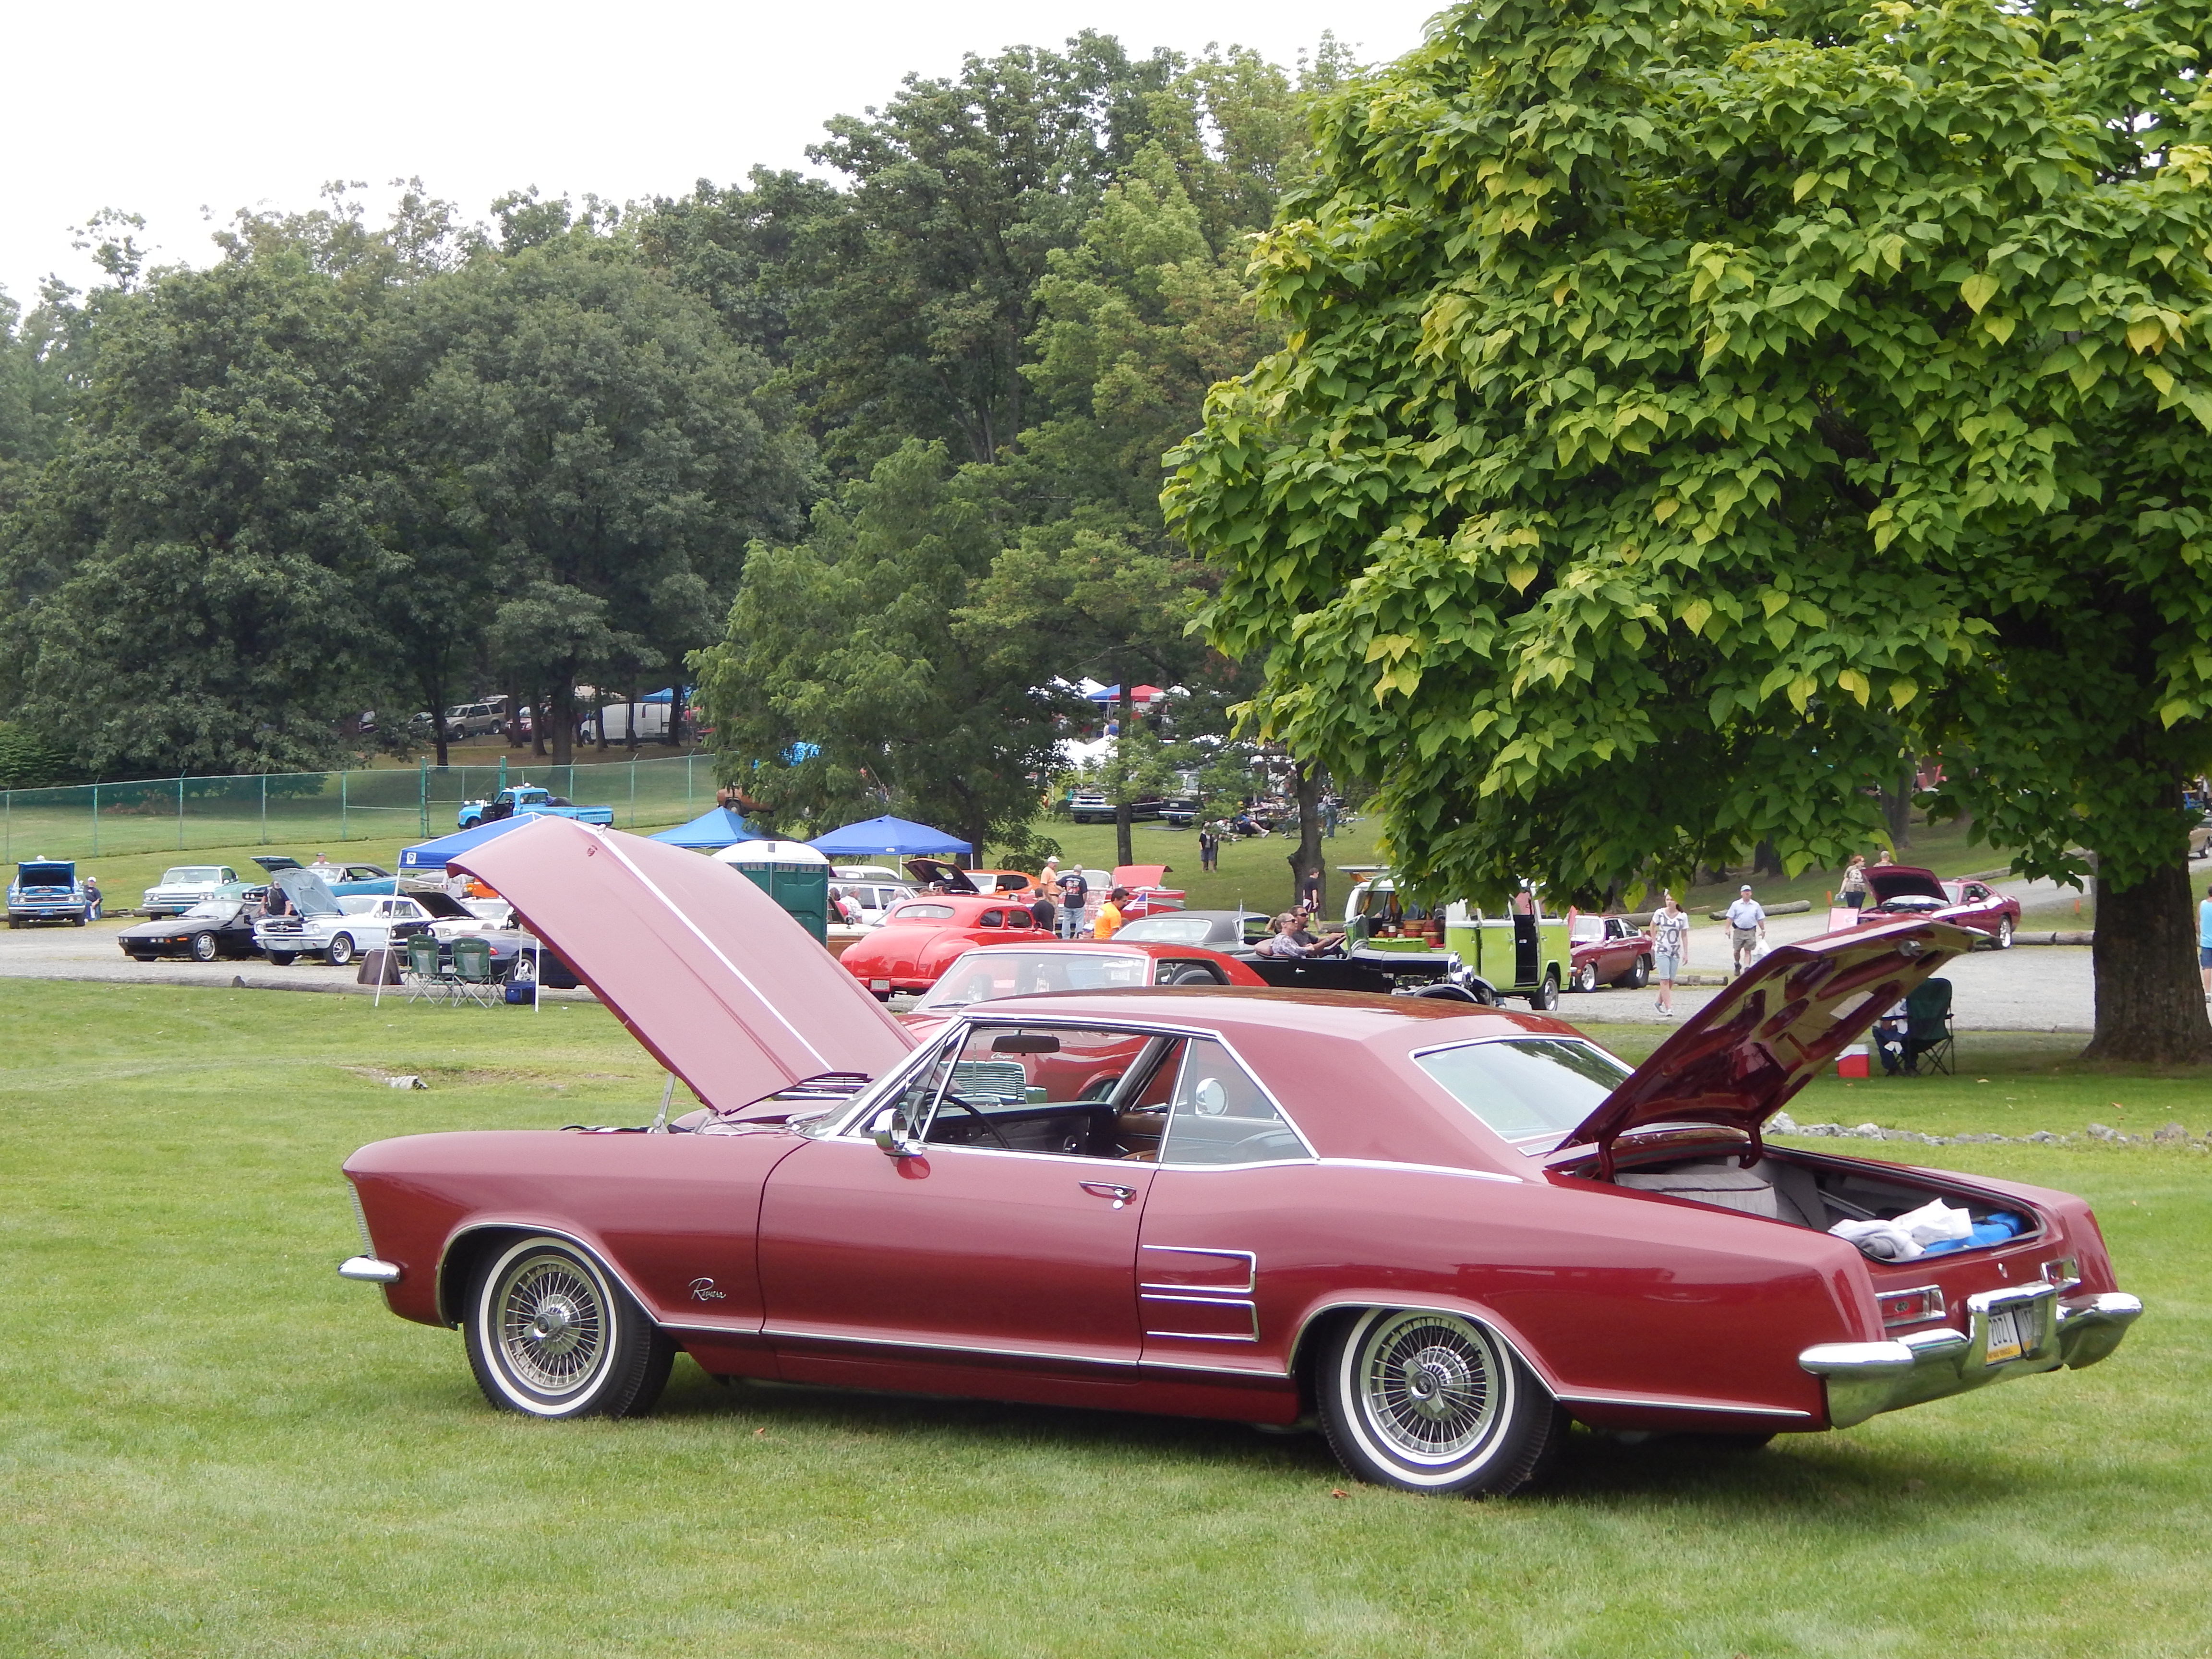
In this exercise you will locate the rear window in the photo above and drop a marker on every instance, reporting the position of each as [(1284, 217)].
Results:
[(982, 976), (1525, 1088), (921, 913)]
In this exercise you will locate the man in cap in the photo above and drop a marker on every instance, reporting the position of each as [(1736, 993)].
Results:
[(1746, 920)]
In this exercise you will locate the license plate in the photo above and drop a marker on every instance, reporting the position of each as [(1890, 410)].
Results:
[(879, 985), (2004, 1338)]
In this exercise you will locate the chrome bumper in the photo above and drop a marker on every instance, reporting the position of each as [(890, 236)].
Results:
[(1864, 1378), (369, 1270)]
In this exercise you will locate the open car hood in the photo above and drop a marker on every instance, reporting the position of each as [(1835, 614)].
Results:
[(1891, 881), (275, 861), (310, 894), (1742, 1056), (720, 985), (1135, 876), (951, 877)]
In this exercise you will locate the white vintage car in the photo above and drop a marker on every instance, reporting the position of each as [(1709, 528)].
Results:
[(313, 921), (183, 886)]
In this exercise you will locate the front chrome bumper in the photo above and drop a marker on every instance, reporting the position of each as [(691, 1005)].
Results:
[(1864, 1378)]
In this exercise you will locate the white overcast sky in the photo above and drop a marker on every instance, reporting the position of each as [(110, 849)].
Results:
[(166, 109)]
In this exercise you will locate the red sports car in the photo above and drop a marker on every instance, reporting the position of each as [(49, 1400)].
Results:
[(921, 937), (1442, 1230), (1905, 889)]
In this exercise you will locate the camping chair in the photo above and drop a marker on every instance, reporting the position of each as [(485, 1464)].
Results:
[(474, 976), (425, 978), (1929, 1039)]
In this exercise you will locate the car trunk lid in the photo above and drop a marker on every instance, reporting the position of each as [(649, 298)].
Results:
[(1741, 1058), (706, 971), (951, 877)]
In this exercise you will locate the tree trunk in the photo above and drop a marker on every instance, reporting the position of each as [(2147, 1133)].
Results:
[(636, 703), (2150, 1001), (514, 714), (561, 715), (1897, 810), (437, 735), (1310, 856), (1124, 840), (1766, 862)]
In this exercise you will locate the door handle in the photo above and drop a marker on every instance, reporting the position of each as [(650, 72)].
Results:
[(1121, 1195)]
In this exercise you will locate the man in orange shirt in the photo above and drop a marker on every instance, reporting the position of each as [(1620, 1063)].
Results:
[(1109, 915)]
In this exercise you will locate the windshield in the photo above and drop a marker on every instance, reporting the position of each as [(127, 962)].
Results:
[(191, 875), (979, 975), (1527, 1088), (1170, 930), (215, 909)]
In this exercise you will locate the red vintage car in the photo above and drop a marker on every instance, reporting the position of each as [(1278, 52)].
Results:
[(1607, 950), (921, 937), (1905, 889), (993, 971), (1442, 1230)]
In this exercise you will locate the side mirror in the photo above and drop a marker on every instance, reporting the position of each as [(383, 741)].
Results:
[(890, 1132)]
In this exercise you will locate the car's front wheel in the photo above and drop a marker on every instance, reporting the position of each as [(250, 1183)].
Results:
[(551, 1334), (341, 950), (283, 958), (2004, 935), (204, 947), (1433, 1402)]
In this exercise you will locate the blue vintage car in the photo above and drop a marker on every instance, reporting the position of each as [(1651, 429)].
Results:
[(47, 890)]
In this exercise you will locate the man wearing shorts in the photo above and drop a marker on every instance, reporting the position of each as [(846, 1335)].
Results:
[(1746, 920), (1670, 948)]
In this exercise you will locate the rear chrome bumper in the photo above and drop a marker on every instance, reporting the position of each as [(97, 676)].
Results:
[(1865, 1378), (368, 1270)]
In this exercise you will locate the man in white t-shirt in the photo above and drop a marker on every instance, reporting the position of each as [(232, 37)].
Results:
[(1746, 920)]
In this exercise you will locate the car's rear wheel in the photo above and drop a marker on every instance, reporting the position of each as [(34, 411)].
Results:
[(2004, 935), (551, 1334), (282, 958), (1546, 997), (1433, 1402), (1640, 974), (204, 947), (1586, 977), (341, 950)]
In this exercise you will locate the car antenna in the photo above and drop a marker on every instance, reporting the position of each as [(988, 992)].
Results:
[(661, 1118)]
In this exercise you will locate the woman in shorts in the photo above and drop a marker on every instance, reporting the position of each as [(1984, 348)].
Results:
[(1670, 943)]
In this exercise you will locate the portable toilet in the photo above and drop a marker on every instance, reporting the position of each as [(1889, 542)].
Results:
[(792, 874)]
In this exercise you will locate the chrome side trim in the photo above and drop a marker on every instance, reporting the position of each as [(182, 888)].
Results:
[(368, 1270), (1250, 1260), (1864, 1378), (800, 1334), (1249, 1309), (1655, 1402)]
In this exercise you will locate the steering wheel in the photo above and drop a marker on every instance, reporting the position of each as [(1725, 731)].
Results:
[(978, 1114), (1333, 948)]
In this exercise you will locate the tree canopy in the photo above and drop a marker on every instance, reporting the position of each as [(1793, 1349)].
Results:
[(1688, 408)]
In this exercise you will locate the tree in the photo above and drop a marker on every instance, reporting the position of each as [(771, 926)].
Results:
[(607, 448), (1682, 404), (843, 686)]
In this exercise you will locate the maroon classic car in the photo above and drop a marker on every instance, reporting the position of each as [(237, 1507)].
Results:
[(1905, 889), (1443, 1231), (1607, 950)]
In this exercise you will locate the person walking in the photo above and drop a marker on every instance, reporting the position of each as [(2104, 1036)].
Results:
[(1670, 948), (1109, 915), (1209, 847), (1853, 890), (1329, 815), (1074, 895), (2205, 940), (1746, 920)]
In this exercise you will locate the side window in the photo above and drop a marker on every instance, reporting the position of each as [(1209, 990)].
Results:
[(1038, 1089), (992, 919), (1218, 1115)]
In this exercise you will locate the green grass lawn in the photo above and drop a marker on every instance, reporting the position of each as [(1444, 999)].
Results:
[(213, 1446)]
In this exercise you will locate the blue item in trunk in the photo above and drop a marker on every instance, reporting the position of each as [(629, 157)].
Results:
[(2000, 1225)]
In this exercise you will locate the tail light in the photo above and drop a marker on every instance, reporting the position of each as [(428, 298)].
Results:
[(1913, 1307)]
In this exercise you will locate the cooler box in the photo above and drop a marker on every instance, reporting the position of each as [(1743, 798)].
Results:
[(1852, 1062)]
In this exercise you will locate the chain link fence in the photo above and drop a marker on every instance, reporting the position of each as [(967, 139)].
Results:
[(93, 820)]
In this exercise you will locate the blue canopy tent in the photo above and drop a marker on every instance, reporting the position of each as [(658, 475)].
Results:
[(889, 835), (431, 855), (712, 830)]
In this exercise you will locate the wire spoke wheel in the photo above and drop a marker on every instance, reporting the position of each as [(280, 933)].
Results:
[(1430, 1385), (552, 1324)]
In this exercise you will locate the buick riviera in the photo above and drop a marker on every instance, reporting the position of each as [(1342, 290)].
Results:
[(1441, 1232)]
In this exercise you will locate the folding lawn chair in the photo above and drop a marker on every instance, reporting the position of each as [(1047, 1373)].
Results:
[(425, 978), (1929, 1039), (474, 976)]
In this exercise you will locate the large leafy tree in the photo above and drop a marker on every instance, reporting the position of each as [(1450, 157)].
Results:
[(844, 686), (1688, 408)]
